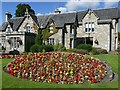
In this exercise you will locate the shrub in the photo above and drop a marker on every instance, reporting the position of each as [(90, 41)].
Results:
[(47, 48), (80, 51), (41, 48), (14, 52), (87, 47), (102, 51), (97, 51), (59, 47), (35, 48), (70, 50)]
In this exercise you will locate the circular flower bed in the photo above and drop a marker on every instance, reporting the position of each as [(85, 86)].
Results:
[(58, 68)]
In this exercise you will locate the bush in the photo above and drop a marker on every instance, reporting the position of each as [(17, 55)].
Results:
[(97, 51), (80, 51), (102, 51), (70, 50), (14, 52), (87, 47), (35, 48), (41, 48), (59, 47), (47, 48)]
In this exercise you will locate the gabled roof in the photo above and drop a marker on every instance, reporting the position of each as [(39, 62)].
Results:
[(81, 15), (3, 26), (59, 19), (34, 18), (65, 18), (16, 22), (110, 13)]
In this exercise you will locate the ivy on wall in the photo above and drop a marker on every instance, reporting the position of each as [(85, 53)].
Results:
[(46, 32)]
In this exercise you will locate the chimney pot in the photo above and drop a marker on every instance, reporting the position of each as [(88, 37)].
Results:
[(8, 16)]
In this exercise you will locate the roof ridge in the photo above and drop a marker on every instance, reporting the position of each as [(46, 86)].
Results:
[(77, 11), (17, 17), (105, 8)]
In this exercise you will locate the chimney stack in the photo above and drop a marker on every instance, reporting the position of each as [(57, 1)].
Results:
[(8, 16), (57, 11)]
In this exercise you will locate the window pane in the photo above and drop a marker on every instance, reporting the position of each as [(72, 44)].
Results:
[(86, 25), (85, 29), (92, 25), (92, 29)]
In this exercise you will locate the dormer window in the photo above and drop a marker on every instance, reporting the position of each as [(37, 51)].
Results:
[(89, 27)]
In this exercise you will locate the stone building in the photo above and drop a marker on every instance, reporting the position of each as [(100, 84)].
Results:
[(96, 27)]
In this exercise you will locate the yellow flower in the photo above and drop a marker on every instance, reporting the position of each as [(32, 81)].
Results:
[(47, 68), (67, 73), (42, 77), (60, 76), (100, 71), (103, 75), (71, 72)]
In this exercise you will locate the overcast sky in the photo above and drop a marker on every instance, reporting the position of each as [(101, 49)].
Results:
[(48, 7)]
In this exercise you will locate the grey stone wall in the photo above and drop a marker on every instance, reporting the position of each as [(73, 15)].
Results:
[(31, 23), (57, 37), (101, 32), (67, 37)]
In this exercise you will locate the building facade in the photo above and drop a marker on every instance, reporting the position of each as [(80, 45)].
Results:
[(96, 27)]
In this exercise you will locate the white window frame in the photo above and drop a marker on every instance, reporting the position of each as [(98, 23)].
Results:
[(89, 27)]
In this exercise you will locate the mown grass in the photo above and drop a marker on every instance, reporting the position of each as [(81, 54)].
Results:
[(8, 81)]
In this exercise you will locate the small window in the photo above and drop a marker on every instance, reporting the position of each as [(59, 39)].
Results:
[(89, 27), (51, 41), (27, 28)]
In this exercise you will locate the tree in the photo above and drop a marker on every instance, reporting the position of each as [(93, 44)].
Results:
[(21, 8), (38, 39)]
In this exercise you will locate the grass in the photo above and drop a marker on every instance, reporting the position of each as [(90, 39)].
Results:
[(8, 81)]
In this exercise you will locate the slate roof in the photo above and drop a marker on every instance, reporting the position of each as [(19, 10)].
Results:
[(16, 22), (81, 15), (59, 19), (65, 18), (107, 13), (3, 26)]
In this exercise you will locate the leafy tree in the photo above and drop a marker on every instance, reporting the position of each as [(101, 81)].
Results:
[(21, 8), (38, 39)]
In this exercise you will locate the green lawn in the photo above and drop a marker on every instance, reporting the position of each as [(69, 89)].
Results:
[(9, 81)]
